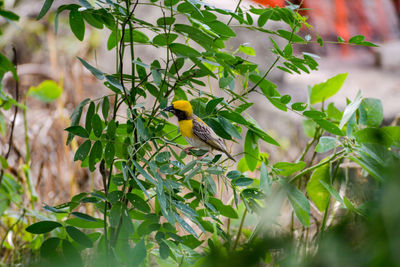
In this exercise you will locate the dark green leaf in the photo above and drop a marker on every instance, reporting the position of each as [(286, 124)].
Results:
[(300, 204), (77, 130), (97, 73), (97, 125), (212, 104), (109, 152), (83, 216), (42, 227), (164, 250), (95, 155), (251, 150), (164, 39), (83, 151), (89, 116), (9, 15), (356, 39), (229, 128), (299, 106), (79, 236), (138, 202), (77, 222), (76, 116), (225, 210), (45, 8), (330, 127), (49, 246), (218, 128), (221, 29), (77, 24), (184, 50), (314, 114)]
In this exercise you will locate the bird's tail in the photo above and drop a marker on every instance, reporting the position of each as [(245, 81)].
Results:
[(229, 156)]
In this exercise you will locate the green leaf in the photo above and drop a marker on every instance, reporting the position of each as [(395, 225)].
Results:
[(84, 216), (330, 127), (137, 36), (49, 246), (89, 116), (379, 136), (138, 202), (95, 155), (218, 128), (77, 24), (265, 181), (243, 181), (299, 106), (97, 125), (9, 15), (233, 116), (326, 143), (165, 21), (314, 114), (105, 107), (300, 204), (228, 126), (264, 17), (164, 250), (45, 8), (332, 191), (42, 227), (267, 87), (6, 65), (80, 223), (288, 168), (247, 50), (322, 91), (77, 130), (96, 73), (315, 190), (83, 151), (47, 91), (164, 39), (138, 253), (109, 152), (225, 210), (251, 150), (350, 109), (79, 236), (371, 112), (356, 39), (221, 29), (76, 116), (212, 104), (290, 36), (184, 50)]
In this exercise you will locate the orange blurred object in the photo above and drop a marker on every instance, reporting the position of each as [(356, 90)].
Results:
[(271, 3)]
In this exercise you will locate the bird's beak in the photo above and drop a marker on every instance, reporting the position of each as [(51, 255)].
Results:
[(170, 108)]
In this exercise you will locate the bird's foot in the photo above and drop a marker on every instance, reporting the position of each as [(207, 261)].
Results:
[(187, 149)]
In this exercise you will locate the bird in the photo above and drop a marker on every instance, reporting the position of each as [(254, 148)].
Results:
[(195, 131)]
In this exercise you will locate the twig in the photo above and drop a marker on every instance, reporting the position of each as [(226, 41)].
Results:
[(240, 230)]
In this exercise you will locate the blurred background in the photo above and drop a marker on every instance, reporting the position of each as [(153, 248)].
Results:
[(43, 54)]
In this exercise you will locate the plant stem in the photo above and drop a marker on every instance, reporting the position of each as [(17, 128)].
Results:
[(332, 159), (240, 229)]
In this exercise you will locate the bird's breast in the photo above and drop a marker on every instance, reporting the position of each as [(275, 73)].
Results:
[(186, 128)]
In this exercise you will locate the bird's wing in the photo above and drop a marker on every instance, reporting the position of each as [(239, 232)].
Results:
[(207, 135)]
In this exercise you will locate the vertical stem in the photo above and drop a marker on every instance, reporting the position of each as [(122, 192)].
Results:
[(240, 230)]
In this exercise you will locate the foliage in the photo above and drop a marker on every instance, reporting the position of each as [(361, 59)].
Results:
[(159, 206)]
